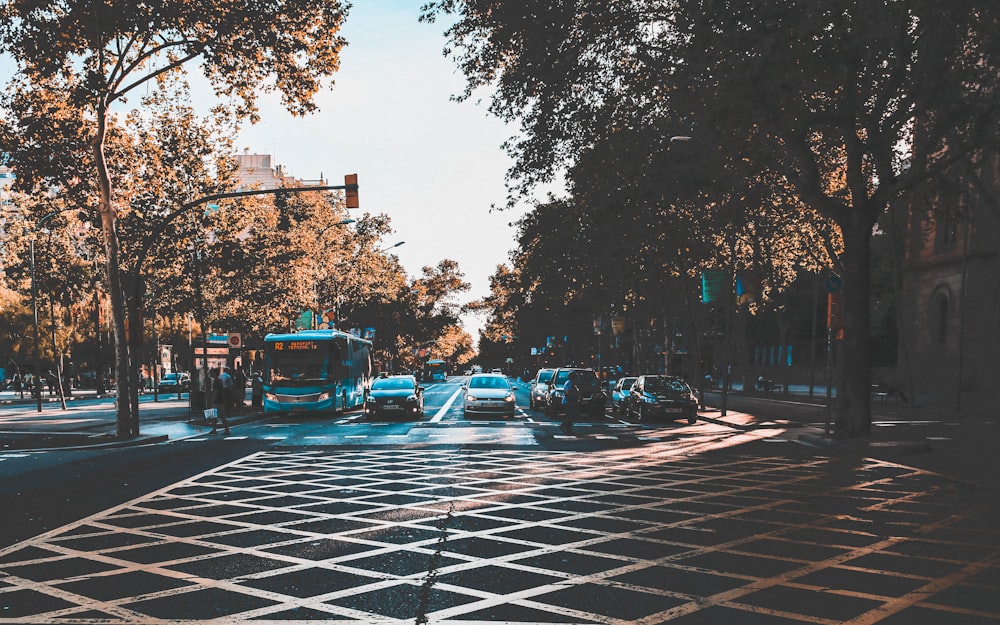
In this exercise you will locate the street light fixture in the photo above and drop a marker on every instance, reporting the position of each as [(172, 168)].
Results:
[(382, 251), (34, 302)]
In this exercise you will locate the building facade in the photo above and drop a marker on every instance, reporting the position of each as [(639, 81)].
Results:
[(950, 296), (258, 171)]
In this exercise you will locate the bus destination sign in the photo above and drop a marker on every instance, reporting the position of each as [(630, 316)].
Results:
[(295, 346)]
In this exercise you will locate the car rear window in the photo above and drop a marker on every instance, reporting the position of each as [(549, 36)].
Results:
[(583, 378), (488, 382)]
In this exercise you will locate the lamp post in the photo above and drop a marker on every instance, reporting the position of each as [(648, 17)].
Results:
[(34, 301), (319, 307)]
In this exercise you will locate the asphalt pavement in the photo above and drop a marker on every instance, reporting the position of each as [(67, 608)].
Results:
[(898, 528), (936, 439)]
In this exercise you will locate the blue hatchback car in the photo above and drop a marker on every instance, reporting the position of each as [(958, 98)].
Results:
[(619, 395)]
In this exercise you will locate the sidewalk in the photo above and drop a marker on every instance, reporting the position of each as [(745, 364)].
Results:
[(87, 424), (934, 438)]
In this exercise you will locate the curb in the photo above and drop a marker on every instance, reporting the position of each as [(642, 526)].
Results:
[(903, 447), (132, 442)]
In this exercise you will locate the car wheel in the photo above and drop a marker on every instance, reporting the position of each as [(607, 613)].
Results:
[(692, 419)]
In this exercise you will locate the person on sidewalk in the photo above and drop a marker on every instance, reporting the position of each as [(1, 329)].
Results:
[(571, 403), (221, 400), (257, 390), (239, 388)]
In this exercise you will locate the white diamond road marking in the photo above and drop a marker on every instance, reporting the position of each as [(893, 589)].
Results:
[(475, 537)]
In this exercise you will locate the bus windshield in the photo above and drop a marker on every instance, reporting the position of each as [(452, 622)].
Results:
[(298, 367)]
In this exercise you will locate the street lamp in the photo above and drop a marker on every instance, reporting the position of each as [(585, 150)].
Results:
[(382, 251), (319, 309), (34, 300)]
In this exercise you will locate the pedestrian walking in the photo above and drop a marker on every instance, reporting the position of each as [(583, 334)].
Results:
[(257, 390), (571, 403), (221, 400)]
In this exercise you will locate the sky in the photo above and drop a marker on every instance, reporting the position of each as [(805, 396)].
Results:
[(435, 166)]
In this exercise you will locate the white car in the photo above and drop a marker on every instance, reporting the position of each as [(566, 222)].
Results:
[(489, 393)]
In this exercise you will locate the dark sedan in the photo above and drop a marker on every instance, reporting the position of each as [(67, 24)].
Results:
[(662, 396), (395, 396)]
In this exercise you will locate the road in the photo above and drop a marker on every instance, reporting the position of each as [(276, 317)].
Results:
[(443, 519)]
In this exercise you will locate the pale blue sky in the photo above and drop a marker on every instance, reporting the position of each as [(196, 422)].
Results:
[(435, 166)]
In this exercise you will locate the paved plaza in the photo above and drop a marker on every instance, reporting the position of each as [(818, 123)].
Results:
[(425, 535)]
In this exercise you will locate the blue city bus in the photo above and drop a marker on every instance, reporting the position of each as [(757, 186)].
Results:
[(315, 370), (436, 370)]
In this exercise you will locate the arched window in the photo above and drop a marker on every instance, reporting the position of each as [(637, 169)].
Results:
[(938, 318)]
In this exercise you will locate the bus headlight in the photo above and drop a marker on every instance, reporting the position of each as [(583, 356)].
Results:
[(271, 397), (325, 396)]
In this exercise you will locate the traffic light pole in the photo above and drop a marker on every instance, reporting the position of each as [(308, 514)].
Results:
[(350, 187)]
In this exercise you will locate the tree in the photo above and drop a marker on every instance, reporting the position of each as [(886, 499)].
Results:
[(102, 52), (845, 104)]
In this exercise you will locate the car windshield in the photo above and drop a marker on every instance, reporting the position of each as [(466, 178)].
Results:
[(392, 384), (584, 379), (488, 382), (671, 385), (545, 376)]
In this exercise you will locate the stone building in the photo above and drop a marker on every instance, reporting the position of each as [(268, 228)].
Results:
[(258, 171), (950, 298)]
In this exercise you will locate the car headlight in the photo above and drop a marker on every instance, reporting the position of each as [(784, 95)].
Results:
[(324, 396), (508, 398), (270, 397), (470, 398)]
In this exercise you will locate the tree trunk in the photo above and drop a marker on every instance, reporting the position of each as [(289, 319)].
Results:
[(127, 426), (853, 405)]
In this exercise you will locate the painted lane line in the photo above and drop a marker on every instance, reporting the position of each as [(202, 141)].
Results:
[(440, 413)]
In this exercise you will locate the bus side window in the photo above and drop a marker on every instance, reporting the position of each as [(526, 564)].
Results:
[(339, 358)]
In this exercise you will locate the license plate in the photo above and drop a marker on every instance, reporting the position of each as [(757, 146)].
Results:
[(391, 407), (675, 410)]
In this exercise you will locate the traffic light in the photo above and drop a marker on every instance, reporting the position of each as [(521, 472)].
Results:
[(835, 310), (351, 191)]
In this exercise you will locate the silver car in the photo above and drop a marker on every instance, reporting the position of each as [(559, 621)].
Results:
[(539, 389), (489, 393)]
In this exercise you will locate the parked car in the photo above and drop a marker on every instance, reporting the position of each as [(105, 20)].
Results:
[(174, 383), (488, 393), (592, 398), (395, 395), (539, 388), (620, 392), (662, 396)]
